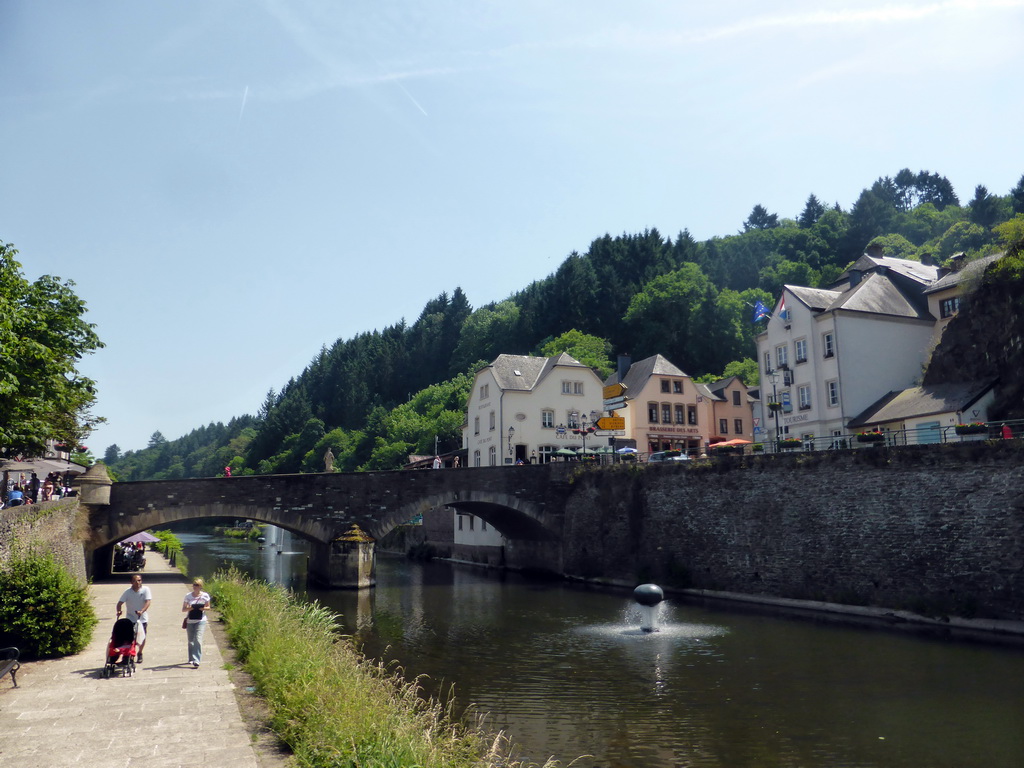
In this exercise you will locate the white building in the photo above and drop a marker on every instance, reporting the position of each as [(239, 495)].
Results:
[(826, 355), (525, 408)]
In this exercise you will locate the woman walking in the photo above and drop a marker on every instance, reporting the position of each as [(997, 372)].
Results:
[(195, 604)]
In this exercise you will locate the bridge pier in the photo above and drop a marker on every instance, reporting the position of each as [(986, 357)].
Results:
[(348, 562)]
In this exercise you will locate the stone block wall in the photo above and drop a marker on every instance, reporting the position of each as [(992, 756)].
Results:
[(936, 531), (53, 527)]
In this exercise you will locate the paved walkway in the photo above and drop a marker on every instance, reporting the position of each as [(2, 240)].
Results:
[(64, 713)]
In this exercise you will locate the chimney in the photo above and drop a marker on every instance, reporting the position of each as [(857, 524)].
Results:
[(927, 260), (624, 362), (875, 251), (855, 277), (956, 261)]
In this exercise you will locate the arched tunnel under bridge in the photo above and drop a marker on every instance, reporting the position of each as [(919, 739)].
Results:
[(525, 503)]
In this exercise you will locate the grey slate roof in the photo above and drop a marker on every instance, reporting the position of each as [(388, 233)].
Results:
[(971, 270), (922, 401), (925, 274), (640, 371), (815, 298), (877, 293), (524, 372)]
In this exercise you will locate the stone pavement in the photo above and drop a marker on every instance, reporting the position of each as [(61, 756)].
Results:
[(64, 713)]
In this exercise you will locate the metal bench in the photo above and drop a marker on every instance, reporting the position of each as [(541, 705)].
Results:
[(9, 663)]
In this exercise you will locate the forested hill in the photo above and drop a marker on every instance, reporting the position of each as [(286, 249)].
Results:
[(377, 397)]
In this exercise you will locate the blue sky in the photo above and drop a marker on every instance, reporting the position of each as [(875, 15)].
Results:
[(232, 185)]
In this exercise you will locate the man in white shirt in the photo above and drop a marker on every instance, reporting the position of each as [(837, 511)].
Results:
[(136, 599)]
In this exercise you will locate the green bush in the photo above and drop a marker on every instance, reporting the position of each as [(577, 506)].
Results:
[(44, 611)]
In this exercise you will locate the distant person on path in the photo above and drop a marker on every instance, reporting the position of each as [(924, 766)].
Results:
[(329, 461), (196, 602), (1007, 432), (456, 463), (33, 488), (15, 498), (437, 462), (136, 601)]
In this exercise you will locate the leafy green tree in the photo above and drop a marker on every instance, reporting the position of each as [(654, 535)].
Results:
[(1017, 197), (759, 218), (1011, 232), (896, 246), (589, 350), (111, 455), (984, 207), (813, 210), (484, 333), (42, 338), (963, 236)]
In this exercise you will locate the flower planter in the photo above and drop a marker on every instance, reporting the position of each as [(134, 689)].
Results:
[(870, 437), (971, 429), (790, 444)]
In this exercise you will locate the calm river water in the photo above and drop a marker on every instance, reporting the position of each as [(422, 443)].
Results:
[(565, 671)]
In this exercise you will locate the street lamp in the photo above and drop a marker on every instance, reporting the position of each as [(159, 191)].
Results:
[(582, 429), (511, 431), (775, 406)]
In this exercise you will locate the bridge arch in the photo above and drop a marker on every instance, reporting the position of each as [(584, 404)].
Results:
[(512, 516)]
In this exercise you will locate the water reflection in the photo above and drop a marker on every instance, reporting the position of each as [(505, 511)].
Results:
[(567, 672)]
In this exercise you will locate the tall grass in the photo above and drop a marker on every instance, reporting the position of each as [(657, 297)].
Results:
[(332, 706)]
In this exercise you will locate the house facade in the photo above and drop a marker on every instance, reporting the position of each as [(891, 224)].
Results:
[(525, 408), (923, 415), (667, 410), (826, 355)]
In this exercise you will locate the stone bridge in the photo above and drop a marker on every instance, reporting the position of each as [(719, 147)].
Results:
[(525, 503)]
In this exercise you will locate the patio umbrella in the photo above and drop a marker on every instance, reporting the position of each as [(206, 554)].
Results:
[(627, 449), (141, 536), (585, 450), (565, 452)]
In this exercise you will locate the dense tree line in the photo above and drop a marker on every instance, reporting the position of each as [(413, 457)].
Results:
[(382, 395)]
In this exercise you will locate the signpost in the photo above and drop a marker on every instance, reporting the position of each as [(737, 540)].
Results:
[(613, 391), (615, 404), (611, 422)]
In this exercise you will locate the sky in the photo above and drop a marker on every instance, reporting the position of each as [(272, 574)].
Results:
[(232, 185)]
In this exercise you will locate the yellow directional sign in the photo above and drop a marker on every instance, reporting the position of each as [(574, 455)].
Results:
[(611, 422), (614, 390)]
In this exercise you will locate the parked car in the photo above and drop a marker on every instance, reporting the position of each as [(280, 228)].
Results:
[(668, 456)]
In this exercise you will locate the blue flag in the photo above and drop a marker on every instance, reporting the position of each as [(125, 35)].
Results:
[(760, 311)]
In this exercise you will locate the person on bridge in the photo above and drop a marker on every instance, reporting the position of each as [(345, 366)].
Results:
[(137, 599), (196, 602)]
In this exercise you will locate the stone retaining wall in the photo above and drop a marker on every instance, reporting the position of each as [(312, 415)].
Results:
[(937, 531), (53, 527)]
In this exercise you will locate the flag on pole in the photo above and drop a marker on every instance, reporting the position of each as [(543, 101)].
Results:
[(782, 308), (760, 312)]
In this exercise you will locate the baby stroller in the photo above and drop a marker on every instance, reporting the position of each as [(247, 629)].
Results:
[(122, 647)]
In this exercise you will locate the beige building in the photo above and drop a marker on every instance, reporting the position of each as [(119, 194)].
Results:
[(666, 410)]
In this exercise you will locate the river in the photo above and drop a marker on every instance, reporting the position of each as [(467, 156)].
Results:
[(565, 671)]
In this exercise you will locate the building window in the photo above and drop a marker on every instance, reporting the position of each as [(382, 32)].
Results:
[(767, 362), (833, 393), (723, 426), (573, 420), (828, 343), (460, 521), (691, 414), (735, 397), (666, 413), (680, 415), (652, 413), (476, 458), (547, 419), (476, 425), (781, 356), (471, 518), (483, 525), (572, 387), (737, 426), (949, 307), (803, 394), (566, 387), (492, 420), (546, 453), (485, 391), (801, 350), (677, 387), (666, 386), (492, 457)]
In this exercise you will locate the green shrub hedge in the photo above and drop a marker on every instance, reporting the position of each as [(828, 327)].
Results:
[(44, 611)]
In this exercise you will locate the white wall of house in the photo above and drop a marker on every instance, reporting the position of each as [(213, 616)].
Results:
[(472, 531)]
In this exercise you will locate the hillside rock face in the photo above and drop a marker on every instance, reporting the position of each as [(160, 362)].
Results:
[(985, 340)]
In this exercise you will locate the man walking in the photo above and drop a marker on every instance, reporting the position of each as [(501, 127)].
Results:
[(136, 599)]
